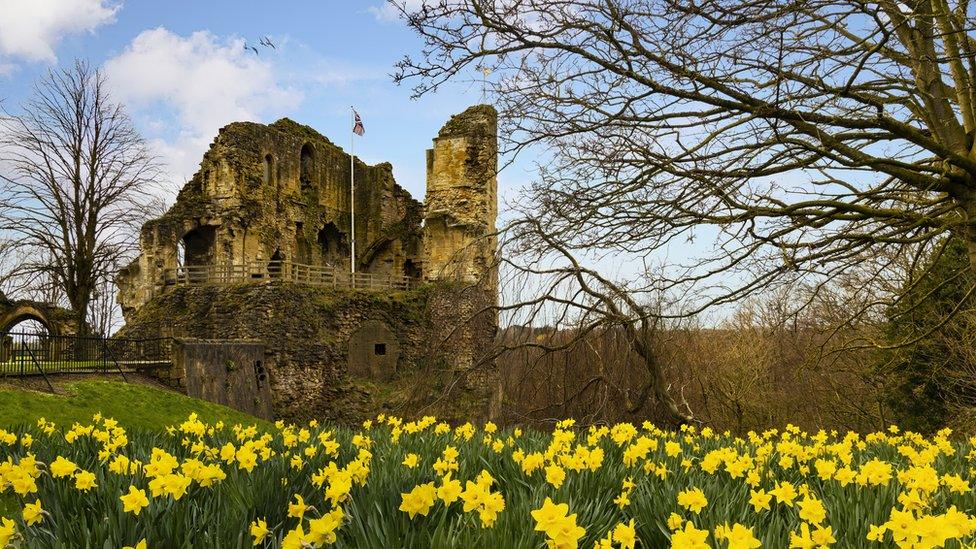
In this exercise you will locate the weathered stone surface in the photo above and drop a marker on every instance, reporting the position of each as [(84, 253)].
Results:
[(281, 191), (373, 351), (306, 332), (461, 204), (57, 320)]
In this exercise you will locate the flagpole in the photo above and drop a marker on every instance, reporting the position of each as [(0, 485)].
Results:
[(352, 194)]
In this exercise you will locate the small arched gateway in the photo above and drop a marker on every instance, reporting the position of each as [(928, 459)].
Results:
[(19, 319), (27, 320), (54, 320)]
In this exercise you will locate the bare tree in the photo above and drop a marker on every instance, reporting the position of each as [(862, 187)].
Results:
[(79, 185), (752, 143)]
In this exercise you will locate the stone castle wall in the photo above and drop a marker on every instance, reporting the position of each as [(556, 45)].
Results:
[(281, 192), (320, 347), (462, 200), (277, 192)]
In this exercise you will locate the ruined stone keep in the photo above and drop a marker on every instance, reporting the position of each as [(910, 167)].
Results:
[(257, 248)]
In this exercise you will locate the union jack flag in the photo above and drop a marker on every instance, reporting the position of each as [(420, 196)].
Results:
[(358, 128)]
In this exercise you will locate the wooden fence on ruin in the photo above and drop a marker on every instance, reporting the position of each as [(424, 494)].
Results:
[(285, 271)]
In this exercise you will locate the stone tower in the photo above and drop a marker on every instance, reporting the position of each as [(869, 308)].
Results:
[(459, 246), (462, 203)]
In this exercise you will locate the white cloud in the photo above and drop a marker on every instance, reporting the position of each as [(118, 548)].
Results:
[(205, 82), (30, 29), (387, 12)]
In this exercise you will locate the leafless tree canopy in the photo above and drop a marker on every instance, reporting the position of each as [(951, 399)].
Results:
[(760, 143), (800, 136), (78, 187)]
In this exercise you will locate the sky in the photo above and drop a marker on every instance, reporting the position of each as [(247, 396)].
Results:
[(182, 70)]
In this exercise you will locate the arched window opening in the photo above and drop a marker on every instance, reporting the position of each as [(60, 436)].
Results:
[(276, 264), (268, 168), (307, 160), (411, 269), (332, 245), (198, 246)]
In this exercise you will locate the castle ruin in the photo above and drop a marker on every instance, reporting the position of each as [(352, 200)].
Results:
[(257, 248)]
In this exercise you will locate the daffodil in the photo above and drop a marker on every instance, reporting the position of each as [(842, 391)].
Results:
[(692, 499), (32, 513), (689, 538), (259, 531), (625, 535), (62, 467), (419, 500), (8, 529), (85, 480)]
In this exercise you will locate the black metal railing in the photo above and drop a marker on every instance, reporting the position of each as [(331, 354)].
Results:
[(25, 354)]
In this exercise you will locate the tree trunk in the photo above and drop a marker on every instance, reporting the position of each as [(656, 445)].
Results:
[(657, 383), (968, 234)]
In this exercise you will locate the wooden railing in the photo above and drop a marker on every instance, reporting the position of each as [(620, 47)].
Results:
[(286, 271)]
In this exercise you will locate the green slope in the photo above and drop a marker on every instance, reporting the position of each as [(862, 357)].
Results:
[(133, 405)]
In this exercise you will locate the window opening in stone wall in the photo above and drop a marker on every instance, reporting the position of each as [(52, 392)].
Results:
[(268, 168), (195, 249), (180, 253), (198, 246), (305, 172), (275, 264), (332, 245), (379, 349)]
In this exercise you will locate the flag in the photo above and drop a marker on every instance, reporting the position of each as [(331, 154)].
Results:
[(358, 128)]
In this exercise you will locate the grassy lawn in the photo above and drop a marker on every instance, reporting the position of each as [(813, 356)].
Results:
[(135, 406)]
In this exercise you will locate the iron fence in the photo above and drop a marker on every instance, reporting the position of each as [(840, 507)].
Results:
[(25, 354)]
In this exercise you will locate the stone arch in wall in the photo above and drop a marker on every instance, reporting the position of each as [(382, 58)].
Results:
[(373, 351), (198, 245), (276, 264), (26, 311)]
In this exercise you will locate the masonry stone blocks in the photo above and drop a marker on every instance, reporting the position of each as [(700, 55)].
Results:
[(267, 195)]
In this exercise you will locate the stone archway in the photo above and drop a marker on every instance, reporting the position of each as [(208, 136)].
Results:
[(55, 320), (26, 311)]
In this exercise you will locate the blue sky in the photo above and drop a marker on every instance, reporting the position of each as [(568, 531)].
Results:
[(182, 70)]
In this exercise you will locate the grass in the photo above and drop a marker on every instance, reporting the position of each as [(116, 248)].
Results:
[(135, 406)]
